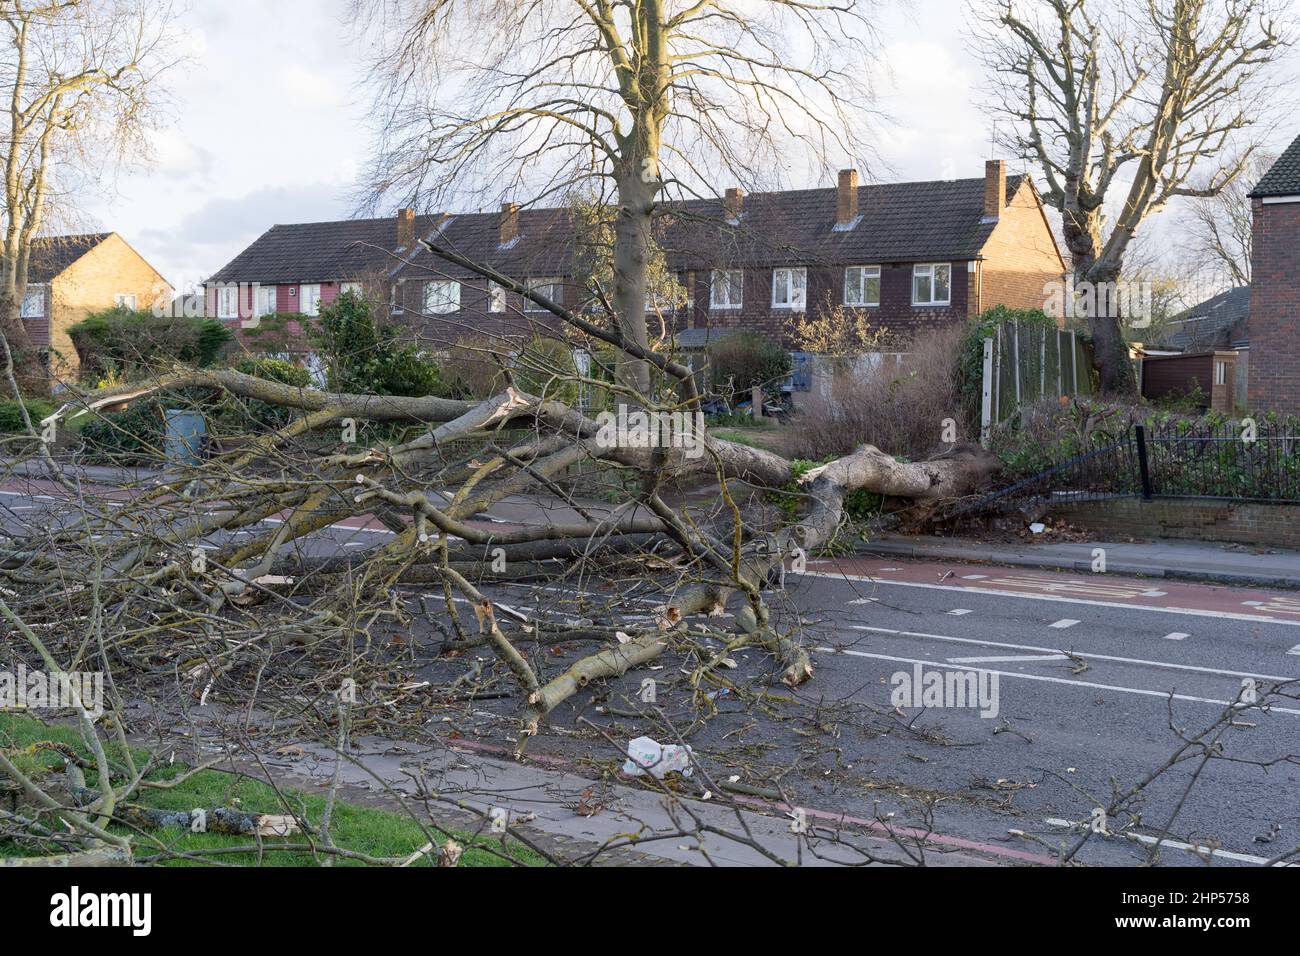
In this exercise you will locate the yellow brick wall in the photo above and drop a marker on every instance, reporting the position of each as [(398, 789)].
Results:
[(1021, 259), (90, 284)]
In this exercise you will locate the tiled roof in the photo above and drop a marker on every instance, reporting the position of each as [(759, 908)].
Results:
[(321, 251), (900, 222), (1283, 177), (1218, 322), (51, 255)]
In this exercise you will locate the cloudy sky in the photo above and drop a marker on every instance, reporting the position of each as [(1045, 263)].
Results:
[(269, 125)]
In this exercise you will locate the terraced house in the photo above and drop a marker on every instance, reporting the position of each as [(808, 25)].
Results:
[(914, 255)]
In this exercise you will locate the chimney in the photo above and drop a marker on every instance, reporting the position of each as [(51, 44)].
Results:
[(995, 188), (846, 206), (405, 228), (509, 222), (735, 203)]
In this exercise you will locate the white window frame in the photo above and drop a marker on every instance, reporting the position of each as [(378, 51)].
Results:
[(33, 295), (441, 296), (264, 292), (228, 301), (716, 285), (309, 301), (855, 279), (121, 299), (796, 288), (497, 297), (929, 270), (552, 287), (1220, 373)]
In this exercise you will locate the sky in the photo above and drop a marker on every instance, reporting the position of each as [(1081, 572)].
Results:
[(268, 125)]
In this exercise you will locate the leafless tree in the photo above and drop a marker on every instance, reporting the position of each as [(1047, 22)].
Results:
[(628, 98), (80, 82), (1122, 108), (1219, 227)]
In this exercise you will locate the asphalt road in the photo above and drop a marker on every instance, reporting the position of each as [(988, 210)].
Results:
[(1098, 680)]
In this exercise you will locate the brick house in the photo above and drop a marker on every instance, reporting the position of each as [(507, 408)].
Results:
[(915, 255), (69, 277), (1274, 383)]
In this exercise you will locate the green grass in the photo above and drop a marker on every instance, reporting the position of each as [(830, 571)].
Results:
[(370, 831)]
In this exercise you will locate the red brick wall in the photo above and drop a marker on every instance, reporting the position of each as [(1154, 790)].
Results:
[(1199, 519), (1274, 383), (895, 312)]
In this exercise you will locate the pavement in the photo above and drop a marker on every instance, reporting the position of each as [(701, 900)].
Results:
[(1209, 561)]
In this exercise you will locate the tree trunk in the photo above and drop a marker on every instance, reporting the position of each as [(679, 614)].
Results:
[(1110, 354), (28, 369), (632, 235)]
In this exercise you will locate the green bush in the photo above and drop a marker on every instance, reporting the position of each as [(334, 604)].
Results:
[(11, 418), (122, 342), (744, 360), (129, 435), (365, 357)]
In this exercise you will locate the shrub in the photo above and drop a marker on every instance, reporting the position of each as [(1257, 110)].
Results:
[(130, 435), (739, 362), (545, 367), (11, 418), (365, 357), (901, 410), (122, 342)]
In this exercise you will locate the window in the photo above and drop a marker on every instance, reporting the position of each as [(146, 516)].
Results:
[(862, 285), (265, 303), (790, 289), (227, 301), (34, 304), (309, 299), (1220, 373), (124, 300), (552, 289), (496, 297), (441, 296), (727, 289), (932, 284)]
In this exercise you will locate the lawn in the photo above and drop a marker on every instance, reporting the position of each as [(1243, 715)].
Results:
[(365, 830)]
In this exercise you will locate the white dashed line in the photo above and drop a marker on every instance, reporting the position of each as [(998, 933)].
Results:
[(959, 611), (1064, 623), (1155, 594), (974, 577), (1177, 636), (863, 601), (1295, 651), (1176, 844), (1007, 660), (1253, 603)]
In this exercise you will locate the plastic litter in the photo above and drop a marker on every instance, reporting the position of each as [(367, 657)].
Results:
[(647, 755)]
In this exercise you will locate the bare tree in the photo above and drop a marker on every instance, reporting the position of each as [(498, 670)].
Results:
[(1219, 227), (1120, 107), (79, 79), (639, 95)]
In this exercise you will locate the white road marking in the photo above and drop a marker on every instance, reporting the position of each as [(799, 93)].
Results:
[(1175, 844), (959, 611), (1253, 603), (1295, 650), (1193, 612), (1177, 636), (1056, 650), (1155, 593), (889, 569), (1011, 659), (1141, 691), (864, 601), (1064, 623), (974, 577)]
